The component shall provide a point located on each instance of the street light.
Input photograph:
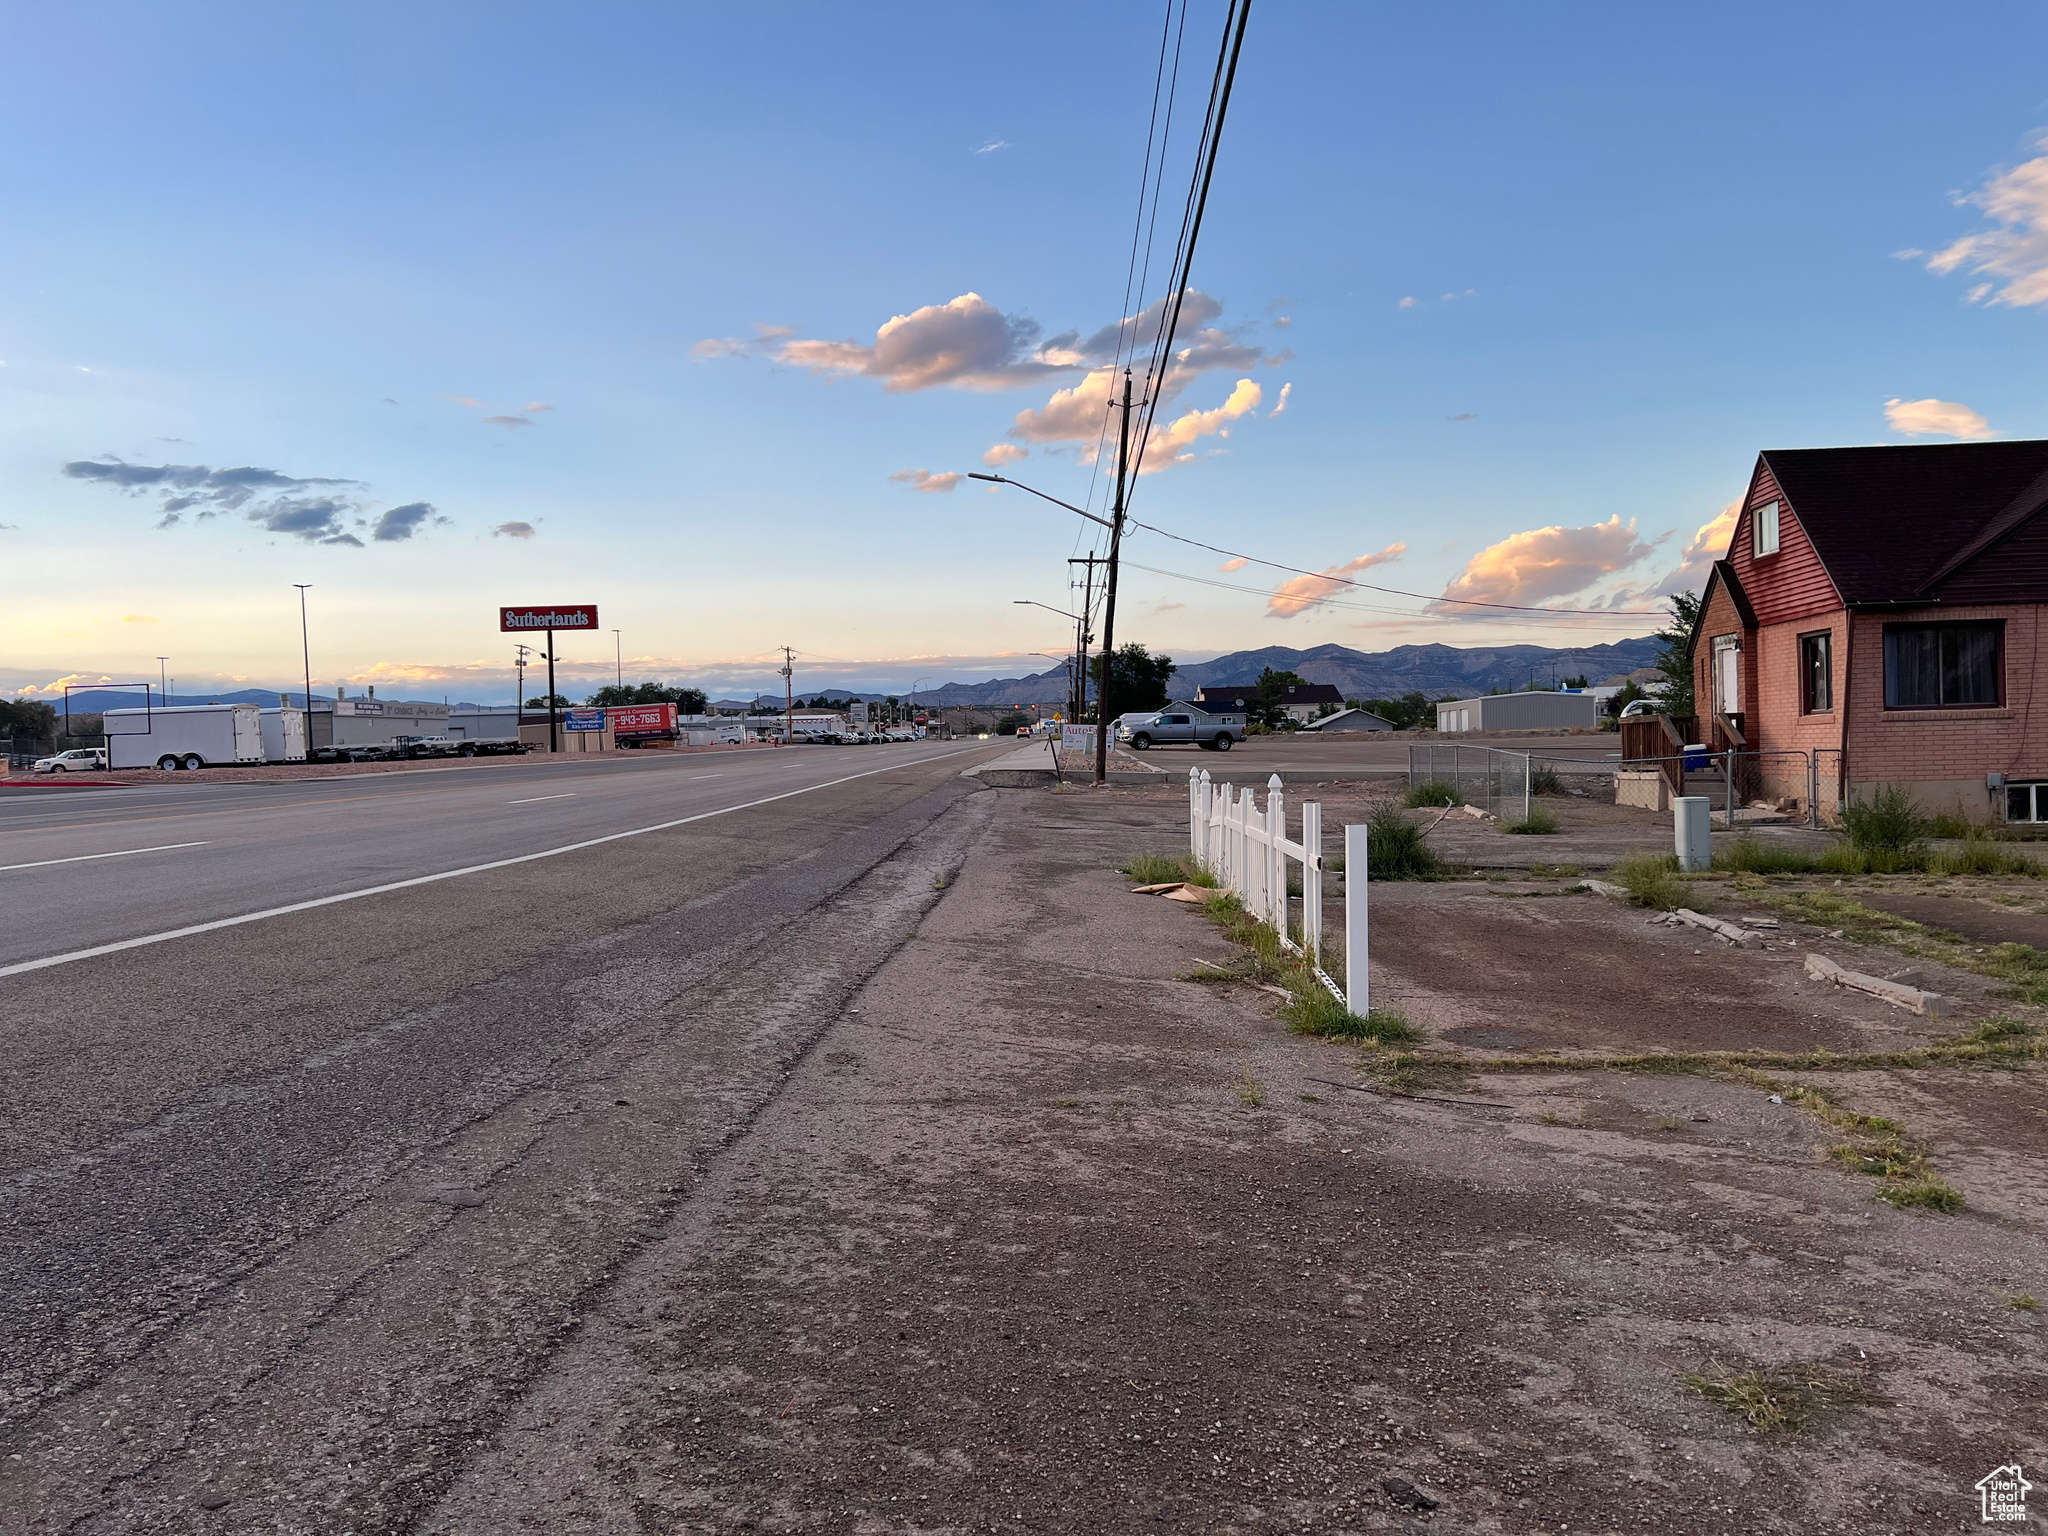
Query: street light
(1001, 480)
(618, 659)
(1077, 689)
(163, 682)
(913, 692)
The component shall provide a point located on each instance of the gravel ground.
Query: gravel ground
(1039, 1238)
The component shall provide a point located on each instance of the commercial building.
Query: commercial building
(1535, 710)
(370, 721)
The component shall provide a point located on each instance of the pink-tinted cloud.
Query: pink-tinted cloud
(1298, 594)
(1530, 569)
(925, 480)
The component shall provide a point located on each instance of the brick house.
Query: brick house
(1879, 611)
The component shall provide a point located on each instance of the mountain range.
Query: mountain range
(1434, 669)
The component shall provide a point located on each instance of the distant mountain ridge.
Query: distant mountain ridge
(1434, 669)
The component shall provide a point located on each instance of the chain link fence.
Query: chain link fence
(1495, 781)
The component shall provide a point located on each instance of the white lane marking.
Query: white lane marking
(696, 777)
(536, 800)
(80, 858)
(447, 874)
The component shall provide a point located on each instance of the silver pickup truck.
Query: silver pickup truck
(1214, 733)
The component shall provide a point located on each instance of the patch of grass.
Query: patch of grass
(1414, 1072)
(1670, 1123)
(1251, 1091)
(1540, 822)
(1781, 1397)
(1319, 1013)
(1751, 855)
(1544, 781)
(1158, 868)
(1651, 880)
(1310, 1098)
(1432, 792)
(1982, 854)
(2024, 1302)
(1923, 1194)
(1397, 849)
(1067, 1103)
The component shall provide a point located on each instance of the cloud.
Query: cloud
(1935, 418)
(1466, 416)
(1298, 594)
(401, 523)
(1237, 563)
(140, 618)
(508, 421)
(1407, 303)
(992, 146)
(2014, 254)
(1283, 322)
(966, 343)
(1169, 443)
(1004, 453)
(1281, 405)
(1544, 563)
(473, 404)
(742, 346)
(278, 502)
(1167, 608)
(1072, 415)
(510, 418)
(925, 480)
(512, 531)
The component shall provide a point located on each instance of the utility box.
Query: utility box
(1693, 832)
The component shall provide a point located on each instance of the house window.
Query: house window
(1816, 673)
(2026, 802)
(1763, 526)
(1727, 674)
(1944, 666)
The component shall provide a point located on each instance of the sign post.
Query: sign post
(549, 617)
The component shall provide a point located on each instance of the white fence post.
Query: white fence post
(1312, 881)
(1276, 858)
(1357, 984)
(1195, 813)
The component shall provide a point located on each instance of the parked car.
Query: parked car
(77, 760)
(1205, 731)
(424, 746)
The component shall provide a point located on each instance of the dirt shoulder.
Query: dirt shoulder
(1041, 1238)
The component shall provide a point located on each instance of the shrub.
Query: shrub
(1396, 848)
(1432, 792)
(1652, 879)
(1886, 823)
(1952, 824)
(1538, 823)
(1544, 781)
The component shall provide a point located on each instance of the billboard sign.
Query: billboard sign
(548, 616)
(627, 718)
(583, 720)
(860, 711)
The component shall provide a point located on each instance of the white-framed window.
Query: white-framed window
(2026, 802)
(1763, 530)
(1728, 674)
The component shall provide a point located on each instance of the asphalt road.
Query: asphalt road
(292, 1208)
(100, 866)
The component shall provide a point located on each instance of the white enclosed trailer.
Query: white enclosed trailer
(284, 735)
(184, 736)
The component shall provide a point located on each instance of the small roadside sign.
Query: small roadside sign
(583, 720)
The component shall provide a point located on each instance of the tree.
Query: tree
(1577, 682)
(541, 701)
(1137, 678)
(1406, 712)
(27, 720)
(688, 701)
(1011, 724)
(1675, 660)
(1269, 696)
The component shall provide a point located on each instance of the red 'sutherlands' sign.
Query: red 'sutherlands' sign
(549, 616)
(641, 717)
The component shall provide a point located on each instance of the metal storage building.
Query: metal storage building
(1532, 711)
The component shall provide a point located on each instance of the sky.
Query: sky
(703, 314)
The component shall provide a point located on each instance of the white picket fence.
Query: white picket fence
(1248, 850)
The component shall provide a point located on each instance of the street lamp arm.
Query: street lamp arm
(1000, 480)
(1026, 602)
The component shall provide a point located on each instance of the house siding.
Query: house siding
(1721, 618)
(1776, 724)
(1943, 755)
(1791, 584)
(2014, 570)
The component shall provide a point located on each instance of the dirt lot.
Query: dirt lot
(1043, 1237)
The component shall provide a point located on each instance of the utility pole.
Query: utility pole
(619, 660)
(1103, 714)
(1082, 638)
(519, 704)
(163, 682)
(788, 697)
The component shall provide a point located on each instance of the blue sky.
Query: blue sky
(1639, 248)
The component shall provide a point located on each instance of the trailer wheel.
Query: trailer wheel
(194, 762)
(167, 764)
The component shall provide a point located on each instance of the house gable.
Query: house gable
(1794, 581)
